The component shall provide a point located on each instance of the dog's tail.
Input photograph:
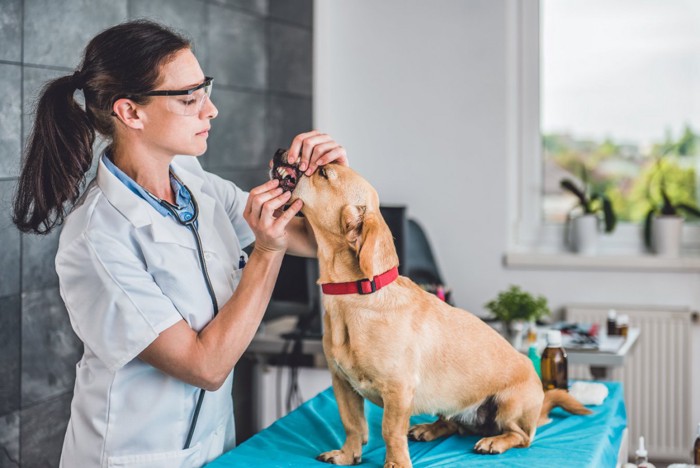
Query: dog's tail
(562, 398)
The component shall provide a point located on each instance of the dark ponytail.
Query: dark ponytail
(120, 61)
(58, 154)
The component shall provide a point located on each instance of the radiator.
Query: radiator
(656, 376)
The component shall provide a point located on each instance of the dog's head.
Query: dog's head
(343, 210)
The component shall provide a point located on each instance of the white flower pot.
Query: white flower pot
(584, 234)
(666, 234)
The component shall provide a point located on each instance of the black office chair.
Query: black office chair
(421, 265)
(416, 258)
(421, 262)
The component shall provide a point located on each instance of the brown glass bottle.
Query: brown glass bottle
(553, 364)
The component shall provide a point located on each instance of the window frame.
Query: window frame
(529, 231)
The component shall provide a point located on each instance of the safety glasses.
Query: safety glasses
(185, 101)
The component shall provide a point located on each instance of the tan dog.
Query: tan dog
(404, 349)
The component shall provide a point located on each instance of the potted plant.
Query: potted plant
(516, 306)
(582, 230)
(663, 224)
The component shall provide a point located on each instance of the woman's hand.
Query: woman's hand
(270, 231)
(316, 149)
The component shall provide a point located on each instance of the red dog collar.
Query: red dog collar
(363, 286)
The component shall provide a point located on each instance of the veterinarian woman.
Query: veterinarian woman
(152, 249)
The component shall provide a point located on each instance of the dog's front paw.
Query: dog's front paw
(338, 457)
(392, 464)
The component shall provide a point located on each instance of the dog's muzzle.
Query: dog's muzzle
(287, 174)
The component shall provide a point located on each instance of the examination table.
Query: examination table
(568, 441)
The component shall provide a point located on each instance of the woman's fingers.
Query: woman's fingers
(325, 154)
(270, 206)
(309, 147)
(270, 184)
(314, 149)
(296, 146)
(257, 198)
(289, 214)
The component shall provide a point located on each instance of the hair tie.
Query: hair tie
(77, 79)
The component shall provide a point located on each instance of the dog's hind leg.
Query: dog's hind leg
(518, 431)
(352, 413)
(427, 432)
(513, 436)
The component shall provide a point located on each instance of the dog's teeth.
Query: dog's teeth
(281, 171)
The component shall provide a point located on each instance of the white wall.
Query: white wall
(418, 93)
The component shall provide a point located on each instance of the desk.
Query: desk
(600, 362)
(315, 427)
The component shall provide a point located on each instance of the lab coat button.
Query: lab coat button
(187, 216)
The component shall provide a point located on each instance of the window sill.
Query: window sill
(602, 262)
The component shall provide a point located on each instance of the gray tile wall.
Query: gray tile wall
(258, 51)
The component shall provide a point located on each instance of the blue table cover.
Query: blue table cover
(315, 427)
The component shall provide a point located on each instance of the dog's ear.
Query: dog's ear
(370, 237)
(353, 217)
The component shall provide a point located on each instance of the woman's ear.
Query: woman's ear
(125, 110)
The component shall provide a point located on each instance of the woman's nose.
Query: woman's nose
(210, 109)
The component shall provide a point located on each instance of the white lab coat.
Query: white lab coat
(127, 273)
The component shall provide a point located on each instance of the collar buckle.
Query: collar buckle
(362, 290)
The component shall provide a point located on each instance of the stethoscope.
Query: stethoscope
(190, 223)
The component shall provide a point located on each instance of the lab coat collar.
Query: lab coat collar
(141, 214)
(120, 197)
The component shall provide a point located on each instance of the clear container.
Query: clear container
(623, 325)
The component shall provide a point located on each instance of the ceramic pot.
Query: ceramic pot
(666, 234)
(584, 234)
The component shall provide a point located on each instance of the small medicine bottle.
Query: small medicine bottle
(623, 324)
(641, 456)
(553, 365)
(696, 448)
(612, 322)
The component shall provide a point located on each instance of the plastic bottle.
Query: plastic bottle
(623, 322)
(553, 363)
(641, 455)
(696, 448)
(535, 358)
(612, 322)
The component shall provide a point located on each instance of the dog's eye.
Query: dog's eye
(322, 172)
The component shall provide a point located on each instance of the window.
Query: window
(608, 90)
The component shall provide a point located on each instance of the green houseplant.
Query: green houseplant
(582, 229)
(515, 304)
(592, 203)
